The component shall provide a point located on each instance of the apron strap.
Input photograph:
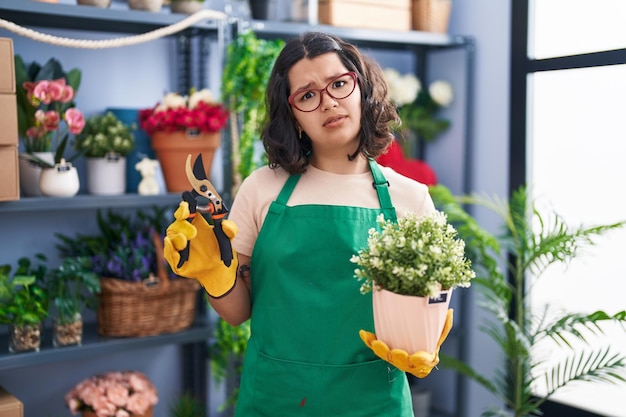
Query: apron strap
(287, 189)
(381, 185)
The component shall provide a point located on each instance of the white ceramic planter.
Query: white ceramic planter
(30, 172)
(106, 176)
(412, 324)
(60, 181)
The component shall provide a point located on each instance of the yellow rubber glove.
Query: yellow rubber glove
(419, 363)
(204, 262)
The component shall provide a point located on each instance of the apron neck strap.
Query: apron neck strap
(380, 184)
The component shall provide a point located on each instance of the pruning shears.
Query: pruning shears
(204, 199)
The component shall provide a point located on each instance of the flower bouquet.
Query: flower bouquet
(411, 267)
(182, 125)
(113, 394)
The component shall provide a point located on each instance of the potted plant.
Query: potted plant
(411, 267)
(138, 295)
(24, 303)
(105, 141)
(183, 125)
(186, 6)
(44, 101)
(532, 241)
(112, 394)
(71, 287)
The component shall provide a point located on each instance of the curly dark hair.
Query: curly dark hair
(280, 136)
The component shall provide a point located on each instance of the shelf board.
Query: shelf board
(96, 345)
(88, 201)
(389, 39)
(75, 17)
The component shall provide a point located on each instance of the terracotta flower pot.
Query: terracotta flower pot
(412, 324)
(172, 149)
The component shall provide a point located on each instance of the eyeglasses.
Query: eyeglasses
(311, 99)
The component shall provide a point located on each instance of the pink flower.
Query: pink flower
(75, 120)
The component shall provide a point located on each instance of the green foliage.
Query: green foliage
(420, 117)
(23, 297)
(51, 70)
(249, 63)
(72, 286)
(187, 406)
(104, 134)
(531, 242)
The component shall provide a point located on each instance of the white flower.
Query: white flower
(441, 93)
(172, 101)
(204, 95)
(402, 89)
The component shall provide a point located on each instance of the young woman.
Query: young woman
(299, 220)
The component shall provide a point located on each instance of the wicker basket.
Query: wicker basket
(431, 15)
(154, 306)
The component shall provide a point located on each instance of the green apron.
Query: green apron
(305, 356)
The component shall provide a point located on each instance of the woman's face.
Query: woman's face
(334, 126)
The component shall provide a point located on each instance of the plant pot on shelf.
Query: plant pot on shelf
(25, 338)
(172, 149)
(147, 5)
(409, 323)
(60, 181)
(30, 173)
(431, 15)
(107, 175)
(186, 6)
(69, 333)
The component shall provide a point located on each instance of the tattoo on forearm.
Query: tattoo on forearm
(244, 271)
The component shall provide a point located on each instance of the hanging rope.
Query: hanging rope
(116, 42)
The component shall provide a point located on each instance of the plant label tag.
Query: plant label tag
(438, 299)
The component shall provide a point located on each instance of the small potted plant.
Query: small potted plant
(105, 141)
(45, 101)
(112, 394)
(411, 267)
(183, 125)
(24, 303)
(72, 287)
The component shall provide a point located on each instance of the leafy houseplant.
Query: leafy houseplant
(24, 303)
(72, 287)
(531, 242)
(104, 135)
(418, 256)
(248, 67)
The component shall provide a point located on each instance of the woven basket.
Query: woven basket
(155, 306)
(431, 15)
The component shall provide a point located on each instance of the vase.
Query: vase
(172, 149)
(431, 15)
(97, 3)
(147, 5)
(67, 333)
(413, 324)
(25, 338)
(30, 172)
(186, 6)
(106, 175)
(60, 181)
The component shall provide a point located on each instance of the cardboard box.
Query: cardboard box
(10, 184)
(369, 14)
(7, 66)
(8, 119)
(9, 405)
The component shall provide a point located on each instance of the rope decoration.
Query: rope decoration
(116, 42)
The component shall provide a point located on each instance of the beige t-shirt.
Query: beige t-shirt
(315, 186)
